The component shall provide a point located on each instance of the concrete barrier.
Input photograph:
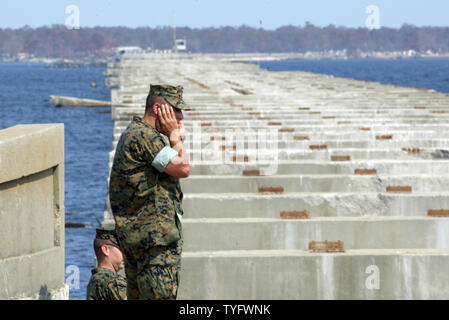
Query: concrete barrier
(356, 232)
(32, 264)
(296, 274)
(313, 183)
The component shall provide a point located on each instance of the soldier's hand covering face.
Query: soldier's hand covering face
(168, 122)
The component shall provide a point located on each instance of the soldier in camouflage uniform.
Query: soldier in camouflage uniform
(146, 196)
(105, 283)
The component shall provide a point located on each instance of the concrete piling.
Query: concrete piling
(32, 232)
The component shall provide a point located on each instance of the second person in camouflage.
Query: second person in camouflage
(105, 282)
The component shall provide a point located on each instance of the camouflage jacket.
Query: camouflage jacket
(106, 284)
(144, 201)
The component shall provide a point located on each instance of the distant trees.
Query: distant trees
(58, 41)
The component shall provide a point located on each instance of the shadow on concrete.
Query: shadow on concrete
(44, 294)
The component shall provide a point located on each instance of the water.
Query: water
(418, 73)
(24, 95)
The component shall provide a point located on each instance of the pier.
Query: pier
(283, 159)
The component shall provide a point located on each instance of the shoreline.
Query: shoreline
(235, 57)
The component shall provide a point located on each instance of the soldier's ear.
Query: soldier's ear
(105, 250)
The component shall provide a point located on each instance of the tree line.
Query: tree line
(60, 42)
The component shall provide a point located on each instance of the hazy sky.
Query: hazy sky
(267, 14)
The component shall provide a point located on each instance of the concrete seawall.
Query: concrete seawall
(367, 162)
(32, 264)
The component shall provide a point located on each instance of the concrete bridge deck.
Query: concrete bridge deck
(356, 161)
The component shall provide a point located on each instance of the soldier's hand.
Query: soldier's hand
(168, 123)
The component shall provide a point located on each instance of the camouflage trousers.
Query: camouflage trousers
(153, 274)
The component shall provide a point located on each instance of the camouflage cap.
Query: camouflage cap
(172, 94)
(110, 235)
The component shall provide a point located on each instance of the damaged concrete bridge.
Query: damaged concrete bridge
(282, 159)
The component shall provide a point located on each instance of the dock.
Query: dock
(283, 160)
(60, 101)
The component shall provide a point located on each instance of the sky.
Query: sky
(267, 14)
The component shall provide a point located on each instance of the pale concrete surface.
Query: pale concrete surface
(314, 183)
(236, 244)
(299, 275)
(32, 263)
(275, 233)
(229, 205)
